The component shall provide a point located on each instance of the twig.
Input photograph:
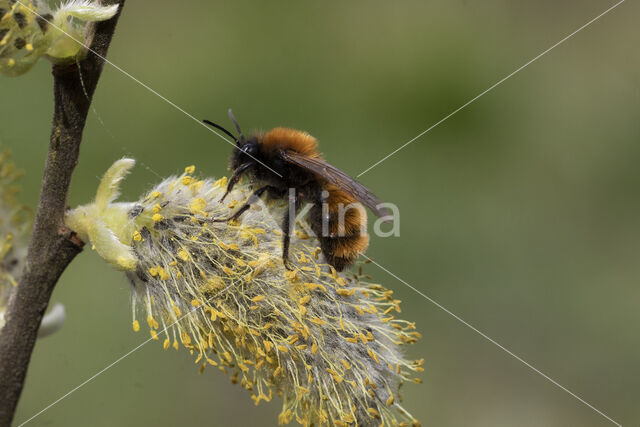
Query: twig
(52, 246)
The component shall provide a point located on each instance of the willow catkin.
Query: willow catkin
(329, 344)
(30, 30)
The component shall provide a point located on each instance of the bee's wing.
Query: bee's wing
(338, 178)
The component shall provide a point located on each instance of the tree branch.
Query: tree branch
(52, 246)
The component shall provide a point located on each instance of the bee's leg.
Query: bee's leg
(252, 199)
(234, 179)
(287, 227)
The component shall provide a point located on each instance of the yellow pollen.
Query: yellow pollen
(317, 321)
(176, 310)
(304, 300)
(335, 375)
(313, 286)
(345, 292)
(197, 205)
(373, 355)
(222, 182)
(184, 255)
(373, 413)
(162, 273)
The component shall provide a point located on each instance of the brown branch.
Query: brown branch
(52, 246)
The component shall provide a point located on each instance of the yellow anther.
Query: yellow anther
(304, 300)
(373, 413)
(282, 348)
(390, 400)
(162, 273)
(345, 292)
(197, 205)
(222, 182)
(335, 375)
(317, 321)
(373, 355)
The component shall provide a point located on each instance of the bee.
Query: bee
(286, 164)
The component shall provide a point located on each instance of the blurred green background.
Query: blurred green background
(521, 213)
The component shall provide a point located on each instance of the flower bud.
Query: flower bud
(15, 223)
(29, 30)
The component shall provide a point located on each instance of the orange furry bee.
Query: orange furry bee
(285, 159)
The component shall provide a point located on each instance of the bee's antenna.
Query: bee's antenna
(235, 123)
(217, 126)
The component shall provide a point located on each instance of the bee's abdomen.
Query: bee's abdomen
(341, 252)
(343, 234)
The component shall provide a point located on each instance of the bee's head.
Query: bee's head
(244, 153)
(247, 149)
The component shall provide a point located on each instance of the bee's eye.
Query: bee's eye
(250, 149)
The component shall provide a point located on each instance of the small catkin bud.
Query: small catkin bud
(15, 223)
(30, 30)
(220, 290)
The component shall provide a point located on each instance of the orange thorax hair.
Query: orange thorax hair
(292, 139)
